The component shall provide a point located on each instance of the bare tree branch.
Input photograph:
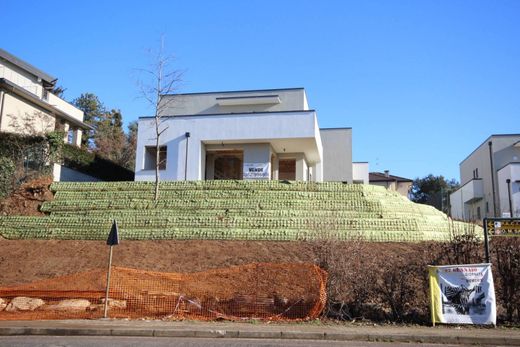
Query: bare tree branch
(160, 80)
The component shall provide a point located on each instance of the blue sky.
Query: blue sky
(422, 83)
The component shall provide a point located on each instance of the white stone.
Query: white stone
(69, 305)
(113, 303)
(22, 303)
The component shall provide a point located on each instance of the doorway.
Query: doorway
(287, 169)
(224, 165)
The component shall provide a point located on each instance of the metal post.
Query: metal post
(486, 240)
(508, 181)
(186, 157)
(490, 144)
(105, 314)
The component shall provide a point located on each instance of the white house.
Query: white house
(490, 180)
(253, 134)
(28, 106)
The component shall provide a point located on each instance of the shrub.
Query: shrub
(7, 170)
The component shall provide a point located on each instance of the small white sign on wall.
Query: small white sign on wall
(256, 171)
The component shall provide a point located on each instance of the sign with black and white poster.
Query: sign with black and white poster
(462, 294)
(256, 171)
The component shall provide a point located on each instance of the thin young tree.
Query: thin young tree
(160, 79)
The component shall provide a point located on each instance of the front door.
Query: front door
(287, 169)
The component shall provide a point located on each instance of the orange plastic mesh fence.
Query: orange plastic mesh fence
(255, 291)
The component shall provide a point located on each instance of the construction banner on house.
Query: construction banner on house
(256, 171)
(462, 294)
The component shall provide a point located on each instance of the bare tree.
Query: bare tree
(160, 79)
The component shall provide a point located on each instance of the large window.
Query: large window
(150, 157)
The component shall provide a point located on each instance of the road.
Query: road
(88, 341)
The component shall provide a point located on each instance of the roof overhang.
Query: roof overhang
(10, 87)
(49, 80)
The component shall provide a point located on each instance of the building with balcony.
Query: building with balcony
(490, 180)
(253, 134)
(28, 106)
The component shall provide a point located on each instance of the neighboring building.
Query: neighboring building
(254, 134)
(28, 106)
(490, 180)
(399, 184)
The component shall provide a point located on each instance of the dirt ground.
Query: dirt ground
(23, 261)
(26, 200)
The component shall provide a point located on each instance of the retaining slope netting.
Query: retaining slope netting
(256, 291)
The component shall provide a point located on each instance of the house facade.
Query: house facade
(490, 180)
(28, 106)
(253, 134)
(391, 182)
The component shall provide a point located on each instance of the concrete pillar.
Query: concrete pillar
(210, 166)
(257, 156)
(66, 128)
(76, 137)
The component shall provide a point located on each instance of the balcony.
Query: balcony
(65, 107)
(472, 191)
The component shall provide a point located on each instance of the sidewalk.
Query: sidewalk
(307, 331)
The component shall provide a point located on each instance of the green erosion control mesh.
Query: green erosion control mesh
(234, 210)
(255, 291)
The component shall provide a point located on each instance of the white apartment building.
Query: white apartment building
(252, 134)
(490, 180)
(28, 106)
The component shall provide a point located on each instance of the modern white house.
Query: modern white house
(252, 134)
(28, 106)
(490, 180)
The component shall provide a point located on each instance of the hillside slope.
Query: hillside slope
(233, 210)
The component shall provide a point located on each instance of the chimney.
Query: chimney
(387, 173)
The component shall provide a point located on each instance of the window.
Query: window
(487, 207)
(476, 173)
(478, 213)
(45, 94)
(150, 157)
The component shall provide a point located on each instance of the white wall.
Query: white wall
(337, 154)
(19, 116)
(512, 172)
(287, 130)
(360, 173)
(457, 205)
(208, 103)
(21, 78)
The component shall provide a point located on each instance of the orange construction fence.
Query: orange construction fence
(256, 291)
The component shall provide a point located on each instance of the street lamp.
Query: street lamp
(187, 134)
(508, 181)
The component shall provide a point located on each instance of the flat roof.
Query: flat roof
(228, 114)
(339, 128)
(27, 67)
(236, 91)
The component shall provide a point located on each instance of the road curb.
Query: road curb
(244, 334)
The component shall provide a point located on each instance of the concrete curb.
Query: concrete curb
(282, 334)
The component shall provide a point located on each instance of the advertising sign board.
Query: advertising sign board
(462, 294)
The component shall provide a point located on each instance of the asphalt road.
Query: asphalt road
(87, 341)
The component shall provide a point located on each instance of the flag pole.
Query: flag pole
(113, 240)
(105, 314)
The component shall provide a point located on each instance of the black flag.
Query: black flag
(113, 237)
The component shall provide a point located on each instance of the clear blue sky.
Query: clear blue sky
(422, 83)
